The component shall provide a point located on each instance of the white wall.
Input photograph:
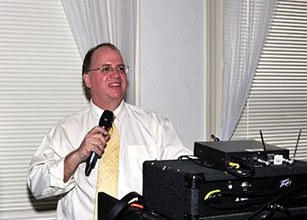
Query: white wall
(172, 63)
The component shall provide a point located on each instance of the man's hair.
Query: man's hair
(87, 64)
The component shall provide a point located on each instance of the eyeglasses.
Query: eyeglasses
(106, 69)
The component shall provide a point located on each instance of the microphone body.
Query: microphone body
(105, 122)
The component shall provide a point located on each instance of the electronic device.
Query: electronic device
(187, 189)
(222, 153)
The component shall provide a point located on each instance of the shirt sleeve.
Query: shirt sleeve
(46, 171)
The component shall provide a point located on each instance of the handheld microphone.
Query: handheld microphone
(105, 122)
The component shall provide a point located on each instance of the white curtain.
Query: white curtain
(96, 21)
(246, 25)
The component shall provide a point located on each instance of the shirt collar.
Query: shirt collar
(95, 110)
(118, 112)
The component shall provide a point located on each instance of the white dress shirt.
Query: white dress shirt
(144, 135)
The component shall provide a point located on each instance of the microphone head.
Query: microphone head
(106, 119)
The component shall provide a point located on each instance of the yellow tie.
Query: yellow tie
(108, 167)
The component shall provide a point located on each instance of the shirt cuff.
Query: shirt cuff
(56, 171)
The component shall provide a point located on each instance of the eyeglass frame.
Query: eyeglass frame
(117, 68)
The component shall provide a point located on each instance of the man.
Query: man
(58, 166)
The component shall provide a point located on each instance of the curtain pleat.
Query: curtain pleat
(245, 28)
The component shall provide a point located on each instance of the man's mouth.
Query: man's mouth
(115, 84)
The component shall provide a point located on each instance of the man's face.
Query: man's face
(107, 89)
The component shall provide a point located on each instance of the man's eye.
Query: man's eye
(107, 69)
(121, 68)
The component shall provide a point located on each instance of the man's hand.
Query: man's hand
(94, 141)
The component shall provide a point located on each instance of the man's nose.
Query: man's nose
(115, 73)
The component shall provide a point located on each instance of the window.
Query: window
(277, 103)
(40, 82)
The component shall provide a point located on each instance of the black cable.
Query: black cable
(202, 163)
(243, 173)
(236, 205)
(252, 199)
(255, 194)
(274, 201)
(256, 198)
(267, 214)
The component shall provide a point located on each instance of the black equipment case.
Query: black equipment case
(184, 189)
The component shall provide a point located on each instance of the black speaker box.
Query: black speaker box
(183, 189)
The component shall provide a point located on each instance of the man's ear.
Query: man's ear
(86, 80)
